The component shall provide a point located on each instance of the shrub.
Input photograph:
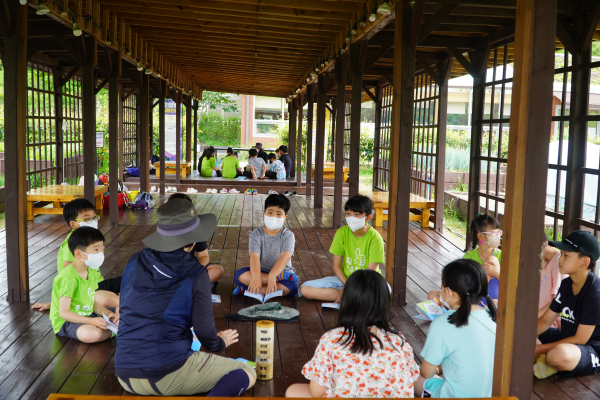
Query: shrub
(218, 131)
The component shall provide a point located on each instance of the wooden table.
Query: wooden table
(329, 171)
(381, 203)
(58, 194)
(171, 168)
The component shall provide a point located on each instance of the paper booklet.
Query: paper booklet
(215, 298)
(111, 326)
(331, 305)
(263, 298)
(429, 310)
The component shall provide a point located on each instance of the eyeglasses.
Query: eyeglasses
(498, 232)
(94, 218)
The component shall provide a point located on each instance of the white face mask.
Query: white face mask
(274, 223)
(91, 224)
(94, 261)
(355, 223)
(445, 302)
(493, 240)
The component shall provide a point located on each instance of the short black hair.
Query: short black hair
(229, 150)
(360, 204)
(235, 153)
(278, 200)
(271, 156)
(179, 196)
(83, 237)
(75, 207)
(283, 148)
(253, 152)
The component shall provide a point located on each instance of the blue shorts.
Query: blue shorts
(291, 285)
(589, 363)
(331, 282)
(432, 387)
(69, 329)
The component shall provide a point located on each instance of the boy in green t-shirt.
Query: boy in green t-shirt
(75, 311)
(231, 165)
(79, 213)
(360, 245)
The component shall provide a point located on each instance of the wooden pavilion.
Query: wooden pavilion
(330, 56)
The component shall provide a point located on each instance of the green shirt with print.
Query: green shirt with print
(207, 166)
(230, 166)
(64, 254)
(474, 255)
(68, 283)
(358, 252)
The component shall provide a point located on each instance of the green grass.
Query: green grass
(366, 178)
(455, 221)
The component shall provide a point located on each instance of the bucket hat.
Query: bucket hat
(180, 225)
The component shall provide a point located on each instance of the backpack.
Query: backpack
(123, 199)
(143, 201)
(134, 171)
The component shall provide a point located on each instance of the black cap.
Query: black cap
(579, 241)
(259, 145)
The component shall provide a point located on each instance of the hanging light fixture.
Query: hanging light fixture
(23, 2)
(353, 31)
(63, 11)
(42, 9)
(363, 20)
(148, 69)
(76, 29)
(373, 15)
(139, 65)
(158, 73)
(323, 63)
(385, 9)
(317, 68)
(127, 51)
(108, 39)
(348, 36)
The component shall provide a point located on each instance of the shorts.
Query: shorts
(589, 363)
(111, 285)
(291, 285)
(331, 282)
(432, 387)
(69, 329)
(199, 374)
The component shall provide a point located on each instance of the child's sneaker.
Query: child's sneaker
(238, 291)
(287, 276)
(254, 191)
(209, 190)
(273, 192)
(153, 189)
(248, 191)
(224, 191)
(233, 191)
(192, 190)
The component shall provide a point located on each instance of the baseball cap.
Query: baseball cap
(581, 242)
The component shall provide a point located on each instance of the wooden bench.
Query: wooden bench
(171, 168)
(381, 202)
(58, 194)
(329, 171)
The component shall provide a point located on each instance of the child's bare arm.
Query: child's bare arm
(373, 266)
(546, 321)
(337, 268)
(256, 282)
(428, 370)
(64, 311)
(583, 334)
(278, 268)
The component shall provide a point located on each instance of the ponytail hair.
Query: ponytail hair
(469, 280)
(482, 223)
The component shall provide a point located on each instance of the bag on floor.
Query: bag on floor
(123, 200)
(134, 172)
(143, 201)
(270, 311)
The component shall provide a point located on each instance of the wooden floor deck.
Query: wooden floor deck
(34, 362)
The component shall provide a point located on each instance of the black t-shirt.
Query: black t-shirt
(264, 156)
(287, 163)
(199, 248)
(583, 308)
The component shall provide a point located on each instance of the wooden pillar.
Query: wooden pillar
(332, 118)
(161, 134)
(188, 129)
(88, 88)
(530, 122)
(15, 132)
(150, 127)
(400, 154)
(358, 53)
(341, 68)
(113, 131)
(195, 152)
(144, 132)
(377, 135)
(320, 139)
(121, 163)
(57, 82)
(299, 141)
(576, 155)
(178, 137)
(444, 70)
(310, 92)
(293, 112)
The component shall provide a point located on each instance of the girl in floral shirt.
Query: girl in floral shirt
(276, 169)
(364, 356)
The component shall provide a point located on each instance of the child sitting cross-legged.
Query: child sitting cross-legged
(460, 343)
(360, 245)
(271, 249)
(75, 312)
(363, 356)
(574, 349)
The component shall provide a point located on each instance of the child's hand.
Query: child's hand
(271, 283)
(114, 318)
(230, 336)
(99, 322)
(548, 254)
(340, 297)
(492, 267)
(255, 285)
(434, 294)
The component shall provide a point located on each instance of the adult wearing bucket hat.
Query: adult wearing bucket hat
(164, 293)
(261, 153)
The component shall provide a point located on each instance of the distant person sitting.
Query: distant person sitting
(202, 158)
(285, 159)
(256, 167)
(261, 152)
(275, 168)
(231, 165)
(209, 164)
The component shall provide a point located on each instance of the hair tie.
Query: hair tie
(467, 294)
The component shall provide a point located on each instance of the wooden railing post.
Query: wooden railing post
(530, 122)
(88, 94)
(299, 140)
(310, 92)
(178, 97)
(293, 113)
(320, 140)
(161, 134)
(144, 132)
(113, 131)
(188, 129)
(341, 68)
(358, 53)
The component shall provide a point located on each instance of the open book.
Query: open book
(263, 298)
(111, 326)
(215, 298)
(429, 310)
(331, 305)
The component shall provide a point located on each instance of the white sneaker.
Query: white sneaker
(209, 190)
(224, 191)
(192, 190)
(233, 191)
(272, 192)
(153, 189)
(215, 191)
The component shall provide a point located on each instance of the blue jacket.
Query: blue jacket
(162, 296)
